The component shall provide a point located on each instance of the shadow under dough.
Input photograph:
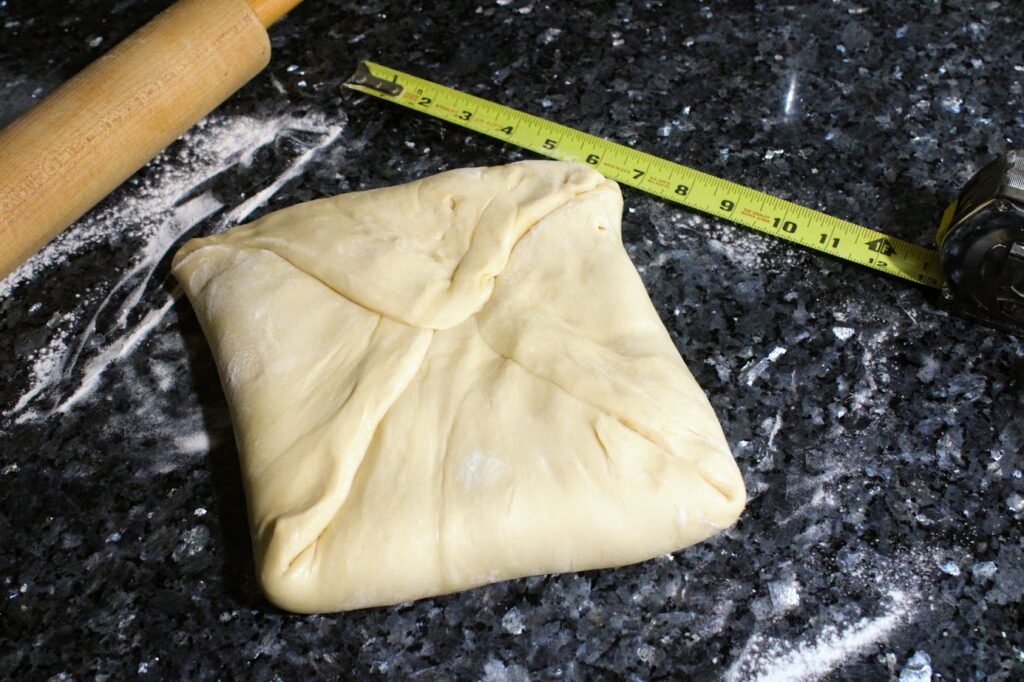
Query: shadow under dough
(238, 570)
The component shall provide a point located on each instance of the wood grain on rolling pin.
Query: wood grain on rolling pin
(72, 149)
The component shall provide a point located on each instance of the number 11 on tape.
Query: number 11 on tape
(666, 179)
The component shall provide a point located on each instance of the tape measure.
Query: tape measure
(979, 265)
(662, 178)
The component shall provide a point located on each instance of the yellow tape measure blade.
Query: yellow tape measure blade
(654, 175)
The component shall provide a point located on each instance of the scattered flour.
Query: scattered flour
(163, 373)
(156, 214)
(785, 594)
(119, 348)
(775, 427)
(173, 201)
(211, 147)
(46, 363)
(479, 470)
(245, 209)
(193, 443)
(752, 251)
(768, 660)
(873, 368)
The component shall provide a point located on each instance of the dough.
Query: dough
(453, 382)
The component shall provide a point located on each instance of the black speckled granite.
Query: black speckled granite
(880, 438)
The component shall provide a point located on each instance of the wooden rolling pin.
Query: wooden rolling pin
(62, 156)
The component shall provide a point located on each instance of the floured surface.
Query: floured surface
(453, 382)
(883, 463)
(111, 317)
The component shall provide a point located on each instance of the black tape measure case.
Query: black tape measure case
(981, 243)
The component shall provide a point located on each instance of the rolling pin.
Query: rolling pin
(62, 156)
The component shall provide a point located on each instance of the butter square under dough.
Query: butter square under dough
(453, 382)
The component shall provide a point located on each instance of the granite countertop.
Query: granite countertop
(880, 437)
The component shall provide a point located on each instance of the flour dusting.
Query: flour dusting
(104, 327)
(46, 364)
(120, 348)
(196, 442)
(211, 147)
(766, 660)
(480, 470)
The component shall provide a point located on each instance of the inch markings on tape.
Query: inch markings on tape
(662, 178)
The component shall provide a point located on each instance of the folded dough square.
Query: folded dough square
(453, 382)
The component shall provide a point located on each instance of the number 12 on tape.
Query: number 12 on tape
(666, 179)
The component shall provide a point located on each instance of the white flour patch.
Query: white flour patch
(478, 470)
(872, 369)
(785, 594)
(749, 250)
(245, 209)
(156, 214)
(121, 347)
(768, 660)
(776, 426)
(164, 374)
(211, 147)
(47, 363)
(193, 443)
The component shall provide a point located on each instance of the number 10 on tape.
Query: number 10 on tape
(662, 178)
